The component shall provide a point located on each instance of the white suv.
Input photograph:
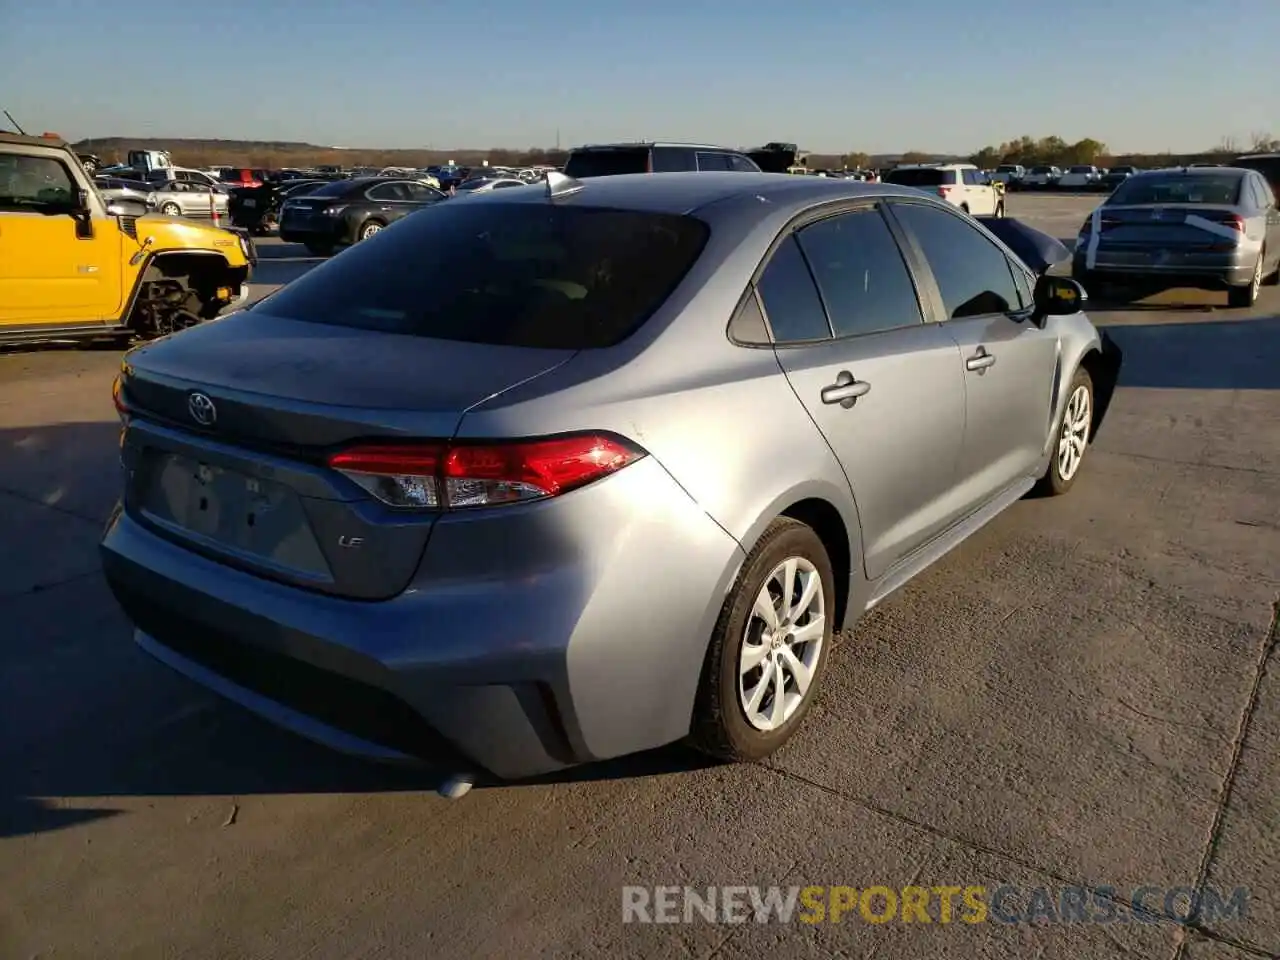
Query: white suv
(1079, 176)
(961, 184)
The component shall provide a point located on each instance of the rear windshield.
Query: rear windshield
(1081, 170)
(1205, 188)
(607, 163)
(517, 274)
(1007, 168)
(920, 177)
(1042, 169)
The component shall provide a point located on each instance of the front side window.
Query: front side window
(861, 274)
(973, 275)
(34, 183)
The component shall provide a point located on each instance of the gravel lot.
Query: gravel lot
(1085, 692)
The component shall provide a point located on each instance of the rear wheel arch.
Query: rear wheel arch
(822, 517)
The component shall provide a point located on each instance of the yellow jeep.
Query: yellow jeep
(73, 265)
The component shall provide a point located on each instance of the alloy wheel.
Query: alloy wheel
(1075, 432)
(781, 644)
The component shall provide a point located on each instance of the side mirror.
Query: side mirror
(127, 207)
(1058, 297)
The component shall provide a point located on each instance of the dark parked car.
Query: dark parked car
(346, 211)
(1114, 177)
(1267, 164)
(611, 159)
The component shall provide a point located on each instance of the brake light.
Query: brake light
(943, 191)
(455, 476)
(117, 398)
(1231, 220)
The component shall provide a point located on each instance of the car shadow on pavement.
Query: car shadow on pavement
(1209, 355)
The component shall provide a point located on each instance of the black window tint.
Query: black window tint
(920, 177)
(607, 162)
(973, 274)
(713, 161)
(970, 177)
(742, 164)
(673, 160)
(861, 273)
(421, 193)
(531, 275)
(791, 301)
(388, 192)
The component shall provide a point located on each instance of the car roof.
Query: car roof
(21, 140)
(646, 144)
(688, 192)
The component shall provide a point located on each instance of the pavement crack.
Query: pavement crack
(1214, 839)
(1170, 721)
(1184, 925)
(1192, 463)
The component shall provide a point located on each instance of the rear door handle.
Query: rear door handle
(845, 391)
(980, 360)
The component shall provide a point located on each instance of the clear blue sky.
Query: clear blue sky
(872, 75)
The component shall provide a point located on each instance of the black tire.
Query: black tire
(319, 249)
(1244, 297)
(368, 229)
(964, 207)
(1273, 278)
(720, 726)
(170, 209)
(1054, 483)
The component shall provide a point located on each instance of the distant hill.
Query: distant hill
(275, 154)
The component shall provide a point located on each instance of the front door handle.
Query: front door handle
(845, 391)
(980, 360)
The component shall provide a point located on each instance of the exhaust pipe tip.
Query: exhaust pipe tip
(457, 786)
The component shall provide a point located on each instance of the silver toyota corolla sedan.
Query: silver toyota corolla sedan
(564, 473)
(1211, 228)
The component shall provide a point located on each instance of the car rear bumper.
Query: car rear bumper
(1208, 270)
(330, 230)
(517, 665)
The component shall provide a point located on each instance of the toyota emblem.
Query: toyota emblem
(202, 409)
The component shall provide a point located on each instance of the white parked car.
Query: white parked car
(1080, 177)
(1009, 173)
(1042, 177)
(960, 184)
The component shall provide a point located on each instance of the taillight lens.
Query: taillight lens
(1232, 220)
(117, 398)
(461, 475)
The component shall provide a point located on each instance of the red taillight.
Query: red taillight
(117, 398)
(454, 476)
(1232, 220)
(943, 191)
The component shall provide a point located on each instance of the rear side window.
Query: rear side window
(607, 163)
(742, 164)
(517, 274)
(860, 273)
(790, 299)
(713, 161)
(673, 160)
(920, 177)
(1269, 167)
(974, 276)
(337, 188)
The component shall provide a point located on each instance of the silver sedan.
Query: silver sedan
(563, 473)
(118, 188)
(1210, 228)
(178, 198)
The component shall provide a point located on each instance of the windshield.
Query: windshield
(1081, 170)
(1042, 169)
(1007, 168)
(920, 177)
(1180, 188)
(607, 163)
(518, 274)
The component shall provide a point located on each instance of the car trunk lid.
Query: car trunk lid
(229, 427)
(1172, 225)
